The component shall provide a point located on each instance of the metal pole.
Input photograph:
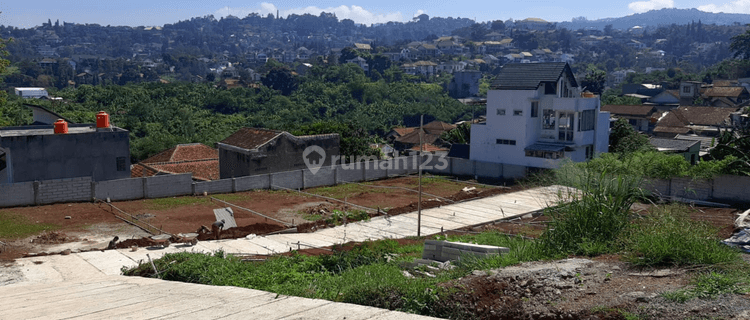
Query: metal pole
(419, 163)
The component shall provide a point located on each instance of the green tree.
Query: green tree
(594, 80)
(741, 45)
(280, 78)
(623, 139)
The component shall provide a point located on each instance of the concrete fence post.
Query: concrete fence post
(193, 188)
(145, 188)
(93, 190)
(270, 181)
(234, 185)
(364, 171)
(37, 185)
(335, 174)
(302, 172)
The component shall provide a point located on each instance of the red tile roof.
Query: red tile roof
(629, 110)
(733, 92)
(251, 138)
(403, 131)
(184, 152)
(428, 147)
(702, 116)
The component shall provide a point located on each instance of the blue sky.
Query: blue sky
(149, 13)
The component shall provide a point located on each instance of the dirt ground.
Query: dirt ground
(87, 226)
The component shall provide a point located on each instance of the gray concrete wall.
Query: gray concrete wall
(657, 187)
(121, 189)
(252, 182)
(731, 188)
(462, 167)
(511, 171)
(63, 190)
(211, 187)
(62, 156)
(489, 170)
(691, 189)
(289, 180)
(169, 185)
(325, 176)
(349, 173)
(17, 194)
(377, 170)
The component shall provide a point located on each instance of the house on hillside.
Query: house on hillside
(410, 137)
(31, 92)
(726, 97)
(666, 100)
(686, 148)
(362, 63)
(537, 116)
(639, 116)
(464, 84)
(62, 151)
(252, 151)
(702, 121)
(689, 90)
(196, 158)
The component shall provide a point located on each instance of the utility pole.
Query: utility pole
(419, 163)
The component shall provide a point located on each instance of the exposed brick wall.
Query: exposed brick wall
(64, 190)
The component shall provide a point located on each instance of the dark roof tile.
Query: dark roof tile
(528, 76)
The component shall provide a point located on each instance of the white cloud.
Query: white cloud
(736, 6)
(643, 6)
(356, 13)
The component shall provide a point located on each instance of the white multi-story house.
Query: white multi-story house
(537, 116)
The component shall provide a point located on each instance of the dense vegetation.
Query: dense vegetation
(159, 116)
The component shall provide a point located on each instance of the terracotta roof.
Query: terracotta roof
(251, 138)
(707, 116)
(184, 152)
(628, 110)
(733, 92)
(428, 147)
(403, 131)
(206, 169)
(413, 138)
(435, 126)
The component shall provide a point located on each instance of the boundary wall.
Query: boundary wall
(721, 188)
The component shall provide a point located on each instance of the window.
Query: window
(517, 112)
(550, 88)
(686, 89)
(500, 112)
(589, 152)
(534, 109)
(121, 166)
(506, 142)
(565, 127)
(633, 122)
(548, 119)
(3, 161)
(586, 120)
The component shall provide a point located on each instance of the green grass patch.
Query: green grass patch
(712, 284)
(168, 203)
(669, 237)
(14, 226)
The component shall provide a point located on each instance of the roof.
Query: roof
(438, 126)
(251, 138)
(662, 144)
(733, 92)
(206, 169)
(413, 137)
(428, 147)
(185, 152)
(538, 20)
(706, 142)
(403, 131)
(636, 110)
(40, 109)
(528, 76)
(707, 116)
(362, 46)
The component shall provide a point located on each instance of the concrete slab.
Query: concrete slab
(338, 311)
(109, 262)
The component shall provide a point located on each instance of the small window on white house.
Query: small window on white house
(586, 120)
(534, 109)
(517, 112)
(500, 112)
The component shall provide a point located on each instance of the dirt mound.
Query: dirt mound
(53, 238)
(241, 232)
(141, 243)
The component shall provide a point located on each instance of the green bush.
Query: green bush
(669, 237)
(589, 218)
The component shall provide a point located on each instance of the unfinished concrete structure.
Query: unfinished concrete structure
(35, 153)
(252, 151)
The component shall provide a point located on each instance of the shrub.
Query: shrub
(591, 216)
(669, 237)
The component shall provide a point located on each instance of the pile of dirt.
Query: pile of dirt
(141, 243)
(53, 238)
(241, 232)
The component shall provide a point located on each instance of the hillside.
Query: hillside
(656, 18)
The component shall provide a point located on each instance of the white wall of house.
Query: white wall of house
(509, 119)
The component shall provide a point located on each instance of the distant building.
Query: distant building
(198, 159)
(537, 116)
(252, 151)
(31, 92)
(464, 84)
(36, 153)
